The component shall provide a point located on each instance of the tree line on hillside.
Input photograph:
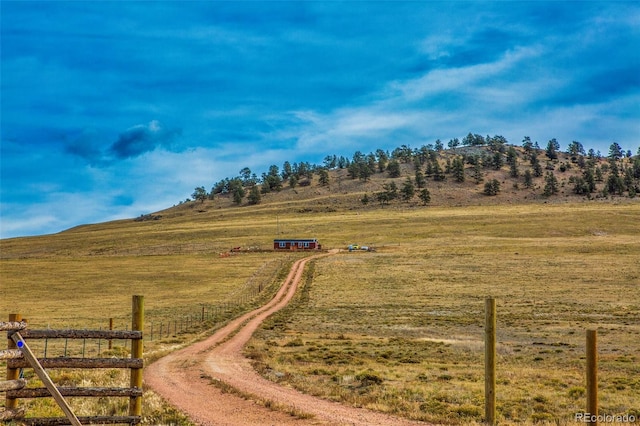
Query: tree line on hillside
(474, 158)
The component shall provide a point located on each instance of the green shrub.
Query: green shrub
(294, 343)
(369, 378)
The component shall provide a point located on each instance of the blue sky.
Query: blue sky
(112, 109)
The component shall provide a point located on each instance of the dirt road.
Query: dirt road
(184, 379)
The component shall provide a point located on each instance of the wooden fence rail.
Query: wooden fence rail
(84, 420)
(82, 334)
(12, 325)
(74, 391)
(12, 385)
(63, 362)
(11, 414)
(10, 354)
(18, 355)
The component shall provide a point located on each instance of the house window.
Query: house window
(283, 244)
(306, 245)
(300, 245)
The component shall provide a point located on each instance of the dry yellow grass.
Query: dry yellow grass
(80, 291)
(83, 277)
(401, 329)
(397, 330)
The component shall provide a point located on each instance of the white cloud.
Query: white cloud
(404, 106)
(29, 221)
(462, 79)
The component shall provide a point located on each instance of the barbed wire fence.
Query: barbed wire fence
(164, 326)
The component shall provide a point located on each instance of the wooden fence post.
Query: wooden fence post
(110, 328)
(137, 324)
(12, 373)
(592, 375)
(490, 361)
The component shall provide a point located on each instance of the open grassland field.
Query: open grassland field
(401, 330)
(397, 330)
(77, 291)
(83, 277)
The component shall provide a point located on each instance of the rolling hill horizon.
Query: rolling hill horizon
(344, 188)
(347, 187)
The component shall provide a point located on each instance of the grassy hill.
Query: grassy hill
(397, 330)
(346, 188)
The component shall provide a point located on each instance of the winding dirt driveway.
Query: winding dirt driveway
(184, 378)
